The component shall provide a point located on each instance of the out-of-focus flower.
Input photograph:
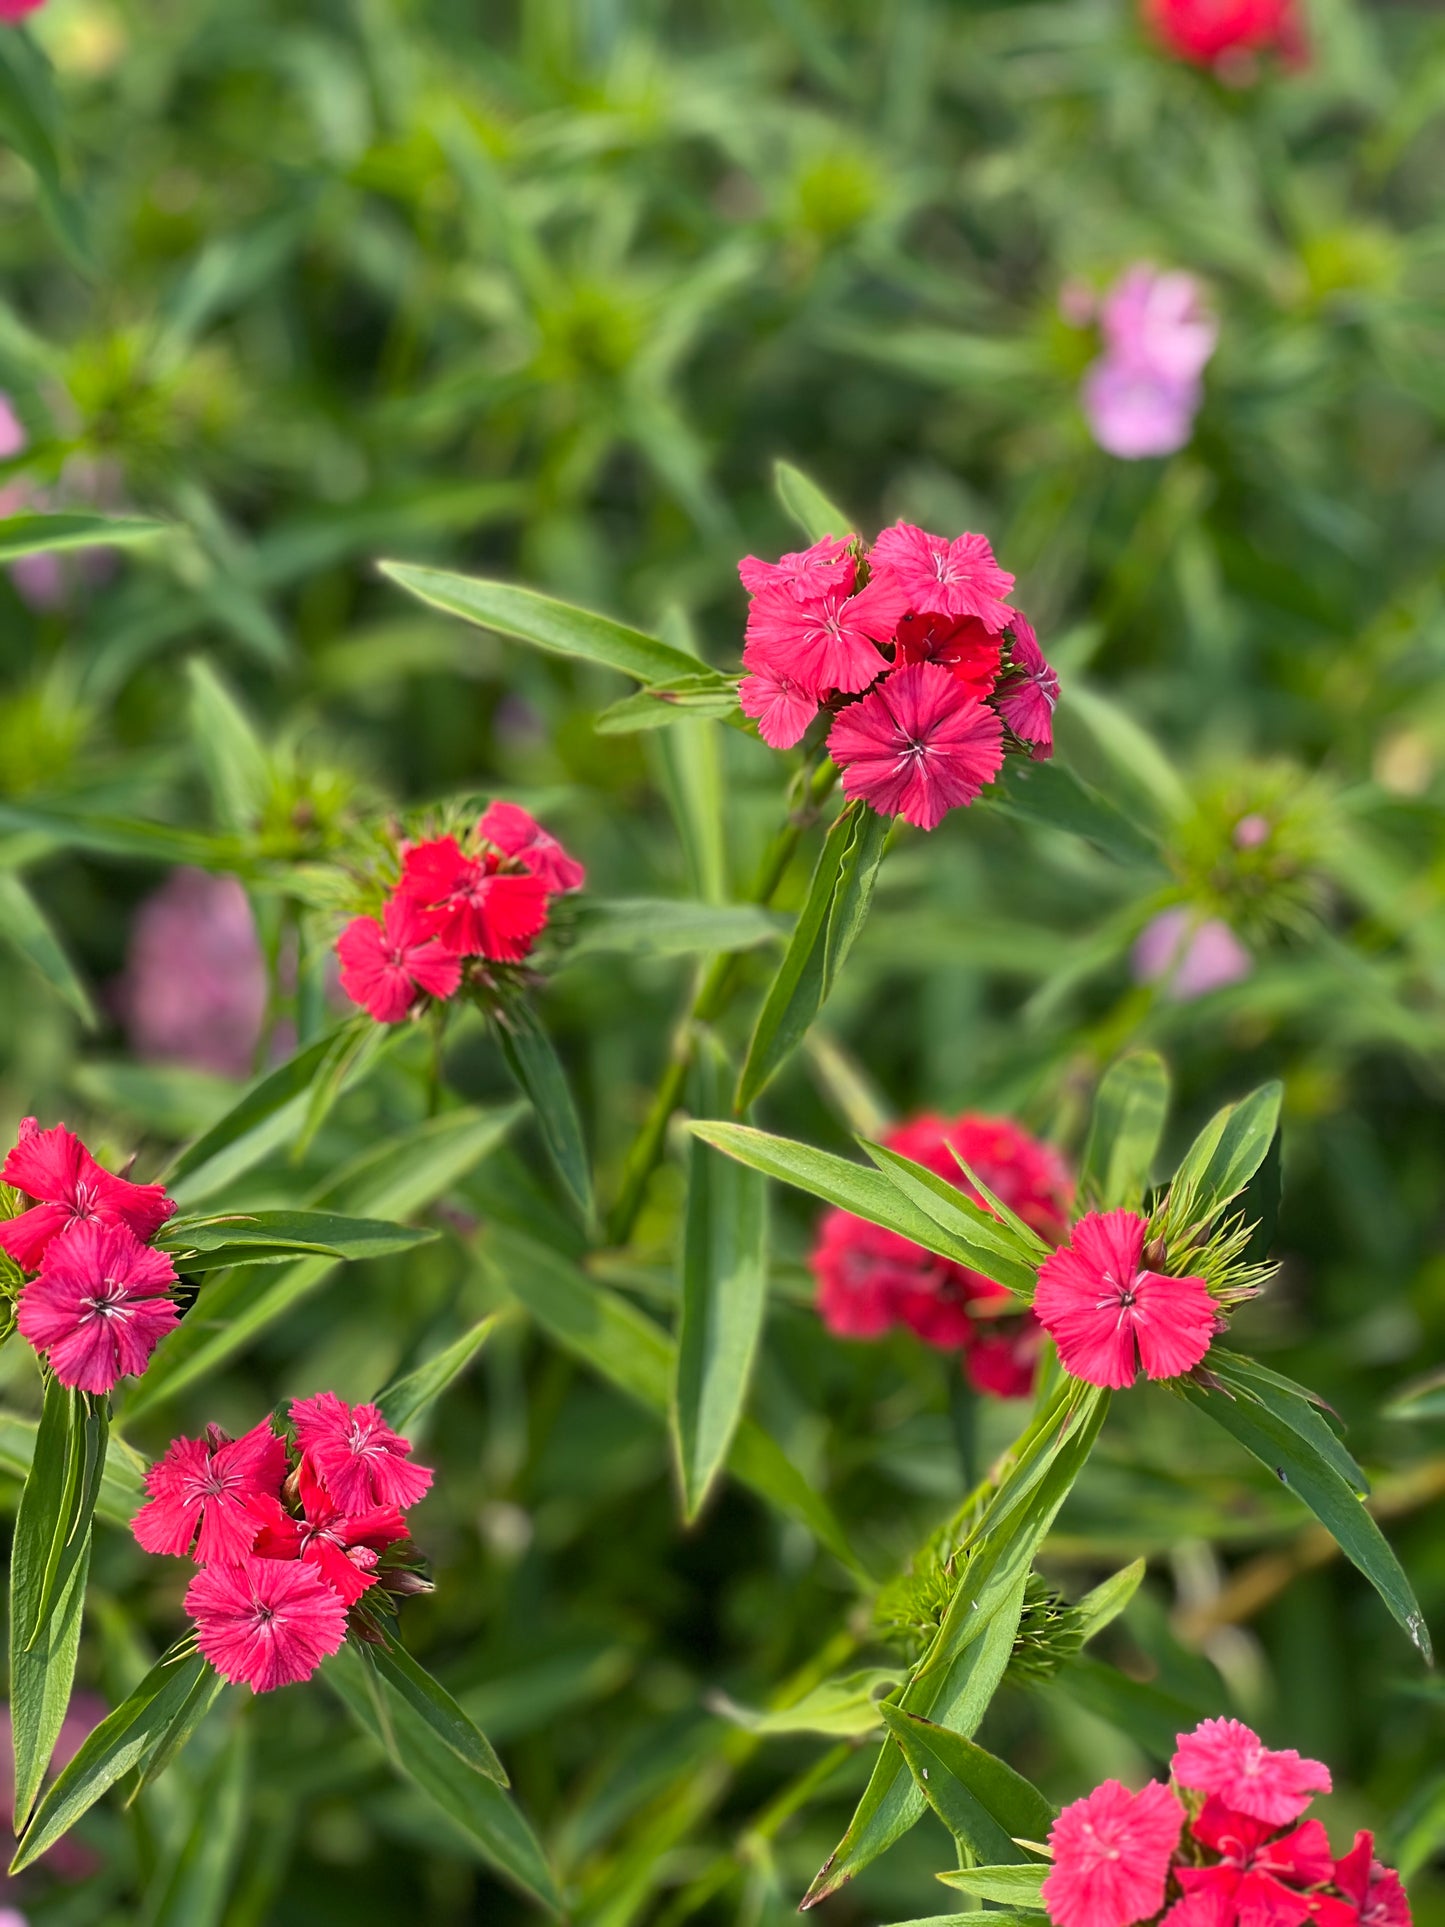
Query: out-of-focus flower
(266, 1623)
(870, 1280)
(1374, 1890)
(1142, 394)
(517, 834)
(100, 1305)
(1190, 957)
(1112, 1851)
(1229, 35)
(1110, 1315)
(386, 965)
(69, 1188)
(201, 1494)
(362, 1462)
(1225, 1758)
(917, 746)
(194, 989)
(1251, 830)
(11, 10)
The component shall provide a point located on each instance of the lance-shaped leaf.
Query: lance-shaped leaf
(957, 1676)
(537, 1069)
(486, 1814)
(231, 1239)
(406, 1399)
(232, 756)
(705, 693)
(845, 1707)
(52, 534)
(1014, 1251)
(1124, 1131)
(1101, 1606)
(1223, 1158)
(809, 507)
(663, 927)
(122, 1477)
(724, 1297)
(1051, 795)
(870, 1194)
(124, 1739)
(30, 123)
(409, 1680)
(52, 1539)
(828, 924)
(1151, 1715)
(1011, 1886)
(1312, 1471)
(985, 1805)
(624, 1346)
(27, 930)
(560, 628)
(193, 1880)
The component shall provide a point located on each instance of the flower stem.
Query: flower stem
(714, 993)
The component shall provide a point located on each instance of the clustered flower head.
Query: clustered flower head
(97, 1299)
(911, 648)
(458, 906)
(1142, 393)
(297, 1545)
(1229, 36)
(1221, 1846)
(870, 1280)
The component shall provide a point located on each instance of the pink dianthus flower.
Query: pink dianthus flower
(823, 642)
(343, 1547)
(509, 828)
(267, 1622)
(475, 909)
(1028, 692)
(386, 966)
(829, 566)
(70, 1188)
(1374, 1891)
(779, 705)
(202, 1494)
(99, 1306)
(356, 1455)
(936, 576)
(917, 746)
(1111, 1852)
(1260, 1874)
(1224, 1758)
(1109, 1315)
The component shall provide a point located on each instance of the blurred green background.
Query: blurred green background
(541, 290)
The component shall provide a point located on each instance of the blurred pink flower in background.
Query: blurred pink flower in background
(11, 10)
(45, 581)
(1143, 392)
(69, 1858)
(1190, 956)
(194, 989)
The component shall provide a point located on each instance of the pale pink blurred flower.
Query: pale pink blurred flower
(194, 990)
(1142, 394)
(70, 1858)
(45, 581)
(1077, 302)
(1250, 831)
(1189, 956)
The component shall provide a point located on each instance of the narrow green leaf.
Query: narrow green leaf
(52, 1539)
(1099, 1608)
(355, 1049)
(327, 1232)
(177, 1731)
(1224, 1157)
(662, 705)
(27, 930)
(1124, 1132)
(50, 534)
(985, 1805)
(411, 1682)
(30, 123)
(1293, 1405)
(660, 927)
(192, 1884)
(829, 922)
(1150, 1715)
(232, 755)
(537, 1069)
(253, 1126)
(1003, 1253)
(809, 507)
(623, 1345)
(1049, 794)
(121, 1487)
(406, 1399)
(843, 1708)
(1013, 1886)
(41, 1676)
(724, 1298)
(1315, 1479)
(123, 1740)
(558, 627)
(484, 1812)
(869, 1194)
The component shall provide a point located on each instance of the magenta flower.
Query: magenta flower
(386, 966)
(822, 642)
(1109, 1316)
(1225, 1758)
(781, 708)
(70, 1188)
(266, 1623)
(203, 1493)
(100, 1305)
(1112, 1851)
(509, 829)
(356, 1455)
(917, 746)
(1374, 1891)
(472, 907)
(1260, 1877)
(1191, 957)
(828, 567)
(969, 652)
(936, 576)
(194, 990)
(1029, 691)
(343, 1548)
(12, 10)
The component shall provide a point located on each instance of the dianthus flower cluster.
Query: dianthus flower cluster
(870, 1279)
(911, 648)
(290, 1540)
(1142, 393)
(1221, 1846)
(1229, 35)
(457, 906)
(97, 1300)
(1112, 1314)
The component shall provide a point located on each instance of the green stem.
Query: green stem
(714, 993)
